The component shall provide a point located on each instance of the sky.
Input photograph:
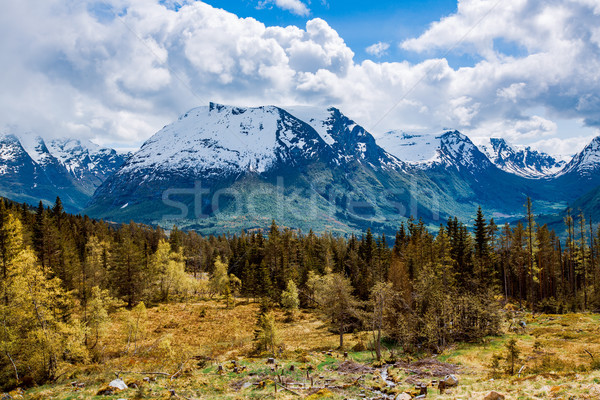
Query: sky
(117, 71)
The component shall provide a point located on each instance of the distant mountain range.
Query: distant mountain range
(222, 169)
(32, 169)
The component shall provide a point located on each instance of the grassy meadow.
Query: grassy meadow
(204, 350)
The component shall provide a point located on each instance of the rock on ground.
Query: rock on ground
(118, 384)
(450, 380)
(494, 396)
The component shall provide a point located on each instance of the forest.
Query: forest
(64, 275)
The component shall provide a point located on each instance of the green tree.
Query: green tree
(512, 355)
(334, 297)
(266, 336)
(289, 298)
(382, 302)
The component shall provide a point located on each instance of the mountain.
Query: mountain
(522, 161)
(587, 162)
(220, 169)
(223, 168)
(32, 170)
(87, 163)
(580, 181)
(581, 174)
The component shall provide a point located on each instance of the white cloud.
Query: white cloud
(74, 68)
(294, 6)
(378, 49)
(564, 149)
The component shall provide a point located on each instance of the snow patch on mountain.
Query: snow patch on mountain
(320, 119)
(411, 148)
(35, 147)
(81, 156)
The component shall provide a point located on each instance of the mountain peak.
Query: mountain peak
(221, 139)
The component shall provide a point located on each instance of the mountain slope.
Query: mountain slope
(465, 175)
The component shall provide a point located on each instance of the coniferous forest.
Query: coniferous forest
(63, 275)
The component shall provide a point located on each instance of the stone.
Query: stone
(403, 396)
(118, 384)
(450, 381)
(270, 361)
(494, 396)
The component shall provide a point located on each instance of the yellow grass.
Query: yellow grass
(193, 339)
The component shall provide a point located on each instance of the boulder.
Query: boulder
(450, 381)
(118, 384)
(403, 396)
(494, 396)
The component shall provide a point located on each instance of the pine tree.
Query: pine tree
(582, 258)
(128, 268)
(531, 250)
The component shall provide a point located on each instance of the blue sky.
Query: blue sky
(360, 23)
(116, 71)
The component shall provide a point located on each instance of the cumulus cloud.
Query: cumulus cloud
(119, 70)
(294, 6)
(378, 49)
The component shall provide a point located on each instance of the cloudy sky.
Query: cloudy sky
(116, 71)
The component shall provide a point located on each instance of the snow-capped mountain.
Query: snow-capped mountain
(30, 168)
(522, 161)
(222, 140)
(451, 149)
(587, 162)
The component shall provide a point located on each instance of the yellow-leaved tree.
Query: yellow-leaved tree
(168, 268)
(36, 336)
